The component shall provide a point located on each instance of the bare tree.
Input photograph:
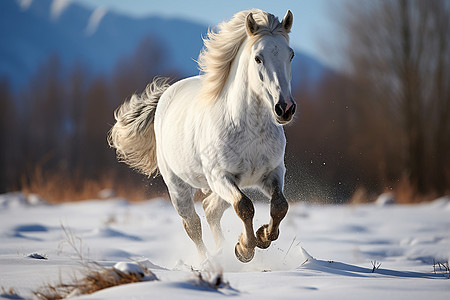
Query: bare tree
(399, 52)
(7, 122)
(440, 73)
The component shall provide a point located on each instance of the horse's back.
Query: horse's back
(177, 96)
(174, 129)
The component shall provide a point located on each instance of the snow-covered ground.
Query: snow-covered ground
(324, 252)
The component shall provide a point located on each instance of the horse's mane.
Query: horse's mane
(221, 47)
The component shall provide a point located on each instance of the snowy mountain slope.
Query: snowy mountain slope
(341, 242)
(98, 39)
(30, 36)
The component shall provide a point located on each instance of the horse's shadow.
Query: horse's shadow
(343, 269)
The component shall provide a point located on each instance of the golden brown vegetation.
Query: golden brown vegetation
(93, 281)
(58, 187)
(94, 276)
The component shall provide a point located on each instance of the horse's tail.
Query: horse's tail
(133, 135)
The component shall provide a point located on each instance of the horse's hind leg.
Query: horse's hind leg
(214, 207)
(227, 189)
(278, 209)
(181, 195)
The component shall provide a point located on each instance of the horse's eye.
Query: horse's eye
(292, 56)
(258, 60)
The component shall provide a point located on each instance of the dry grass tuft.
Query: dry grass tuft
(95, 277)
(209, 280)
(93, 281)
(9, 293)
(442, 268)
(361, 196)
(60, 186)
(375, 265)
(406, 193)
(210, 277)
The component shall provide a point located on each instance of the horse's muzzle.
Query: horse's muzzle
(284, 111)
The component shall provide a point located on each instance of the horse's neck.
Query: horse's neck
(240, 102)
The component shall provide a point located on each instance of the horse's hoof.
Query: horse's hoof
(245, 255)
(261, 237)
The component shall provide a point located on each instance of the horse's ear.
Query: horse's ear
(251, 25)
(288, 20)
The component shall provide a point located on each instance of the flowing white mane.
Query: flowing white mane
(221, 48)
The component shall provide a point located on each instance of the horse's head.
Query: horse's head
(270, 68)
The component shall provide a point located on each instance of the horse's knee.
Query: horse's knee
(244, 208)
(279, 207)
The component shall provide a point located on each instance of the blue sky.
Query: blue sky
(312, 21)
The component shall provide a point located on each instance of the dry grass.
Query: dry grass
(406, 193)
(94, 280)
(442, 268)
(361, 196)
(209, 279)
(9, 293)
(58, 187)
(94, 276)
(375, 265)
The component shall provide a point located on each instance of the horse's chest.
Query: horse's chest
(254, 152)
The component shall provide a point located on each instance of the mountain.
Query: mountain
(31, 31)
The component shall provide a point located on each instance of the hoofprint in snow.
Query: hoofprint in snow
(345, 245)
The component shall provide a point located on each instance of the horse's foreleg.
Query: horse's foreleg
(245, 248)
(269, 232)
(278, 210)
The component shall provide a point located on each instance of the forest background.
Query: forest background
(379, 124)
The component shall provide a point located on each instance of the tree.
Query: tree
(97, 116)
(398, 52)
(44, 106)
(7, 122)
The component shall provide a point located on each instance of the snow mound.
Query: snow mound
(149, 265)
(134, 268)
(443, 202)
(107, 232)
(385, 199)
(19, 199)
(129, 268)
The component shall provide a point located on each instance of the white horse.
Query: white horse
(221, 131)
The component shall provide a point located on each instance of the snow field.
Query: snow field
(324, 252)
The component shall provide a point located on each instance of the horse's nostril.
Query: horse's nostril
(294, 106)
(279, 110)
